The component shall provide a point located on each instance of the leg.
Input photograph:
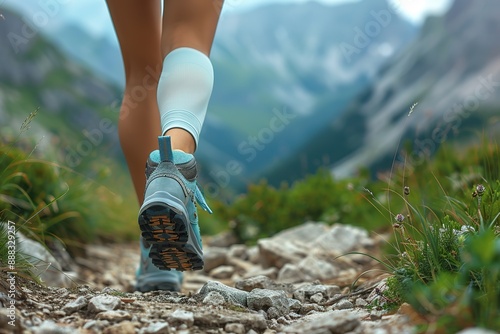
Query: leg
(167, 217)
(138, 27)
(187, 24)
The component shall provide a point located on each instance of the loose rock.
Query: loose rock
(214, 257)
(180, 317)
(125, 327)
(329, 322)
(114, 316)
(222, 272)
(214, 298)
(344, 304)
(50, 327)
(235, 328)
(156, 328)
(231, 295)
(103, 303)
(269, 300)
(75, 305)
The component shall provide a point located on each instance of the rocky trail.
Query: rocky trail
(294, 282)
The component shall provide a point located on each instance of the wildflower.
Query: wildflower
(480, 189)
(400, 218)
(463, 230)
(406, 190)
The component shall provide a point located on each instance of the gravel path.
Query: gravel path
(276, 287)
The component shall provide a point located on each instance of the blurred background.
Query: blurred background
(300, 86)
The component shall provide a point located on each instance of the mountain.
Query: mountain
(452, 70)
(290, 57)
(302, 62)
(85, 48)
(75, 108)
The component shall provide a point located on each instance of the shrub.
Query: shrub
(447, 262)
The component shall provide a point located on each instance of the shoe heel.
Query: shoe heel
(164, 222)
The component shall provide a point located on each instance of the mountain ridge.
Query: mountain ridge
(271, 59)
(451, 59)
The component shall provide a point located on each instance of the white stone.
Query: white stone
(103, 303)
(180, 317)
(75, 305)
(214, 298)
(222, 272)
(342, 239)
(316, 268)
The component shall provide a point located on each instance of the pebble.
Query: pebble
(231, 295)
(214, 298)
(50, 327)
(180, 317)
(344, 304)
(235, 328)
(376, 315)
(156, 328)
(125, 327)
(222, 272)
(114, 316)
(316, 298)
(360, 302)
(276, 302)
(103, 302)
(75, 305)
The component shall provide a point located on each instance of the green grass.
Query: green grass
(445, 256)
(48, 200)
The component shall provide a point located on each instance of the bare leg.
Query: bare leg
(188, 23)
(138, 27)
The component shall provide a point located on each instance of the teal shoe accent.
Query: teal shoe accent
(150, 278)
(168, 218)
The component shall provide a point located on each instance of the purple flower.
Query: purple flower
(480, 189)
(399, 218)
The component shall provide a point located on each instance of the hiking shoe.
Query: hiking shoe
(168, 218)
(150, 278)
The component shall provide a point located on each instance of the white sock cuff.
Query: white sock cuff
(184, 90)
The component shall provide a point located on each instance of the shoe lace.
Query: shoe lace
(200, 199)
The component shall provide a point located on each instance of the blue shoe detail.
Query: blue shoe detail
(150, 278)
(168, 217)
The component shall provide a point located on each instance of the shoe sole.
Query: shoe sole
(164, 225)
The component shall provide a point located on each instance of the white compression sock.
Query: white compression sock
(184, 90)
